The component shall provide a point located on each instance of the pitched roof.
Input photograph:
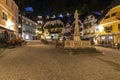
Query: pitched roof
(97, 15)
(113, 4)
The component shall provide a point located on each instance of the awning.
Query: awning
(2, 28)
(88, 36)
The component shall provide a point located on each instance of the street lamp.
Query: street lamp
(100, 28)
(68, 14)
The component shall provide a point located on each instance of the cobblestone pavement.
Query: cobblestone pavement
(37, 61)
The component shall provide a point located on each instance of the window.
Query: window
(7, 2)
(113, 14)
(13, 19)
(16, 21)
(118, 26)
(12, 6)
(108, 16)
(27, 22)
(4, 16)
(30, 24)
(108, 29)
(23, 20)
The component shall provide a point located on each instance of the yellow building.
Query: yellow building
(109, 28)
(8, 19)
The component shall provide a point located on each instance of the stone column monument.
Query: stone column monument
(77, 42)
(76, 29)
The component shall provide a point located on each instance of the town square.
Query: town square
(59, 40)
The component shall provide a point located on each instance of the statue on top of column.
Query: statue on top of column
(76, 17)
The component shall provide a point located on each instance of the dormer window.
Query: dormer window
(113, 14)
(118, 15)
(106, 17)
(27, 22)
(92, 17)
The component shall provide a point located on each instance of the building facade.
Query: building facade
(90, 23)
(28, 29)
(8, 19)
(109, 28)
(53, 29)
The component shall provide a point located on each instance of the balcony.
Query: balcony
(118, 15)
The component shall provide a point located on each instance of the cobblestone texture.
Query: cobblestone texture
(37, 61)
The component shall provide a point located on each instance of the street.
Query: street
(37, 61)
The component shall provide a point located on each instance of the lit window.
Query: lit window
(30, 24)
(26, 22)
(22, 20)
(111, 37)
(103, 37)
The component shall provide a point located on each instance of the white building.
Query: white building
(53, 29)
(28, 29)
(90, 26)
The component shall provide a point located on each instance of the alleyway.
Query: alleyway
(37, 61)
